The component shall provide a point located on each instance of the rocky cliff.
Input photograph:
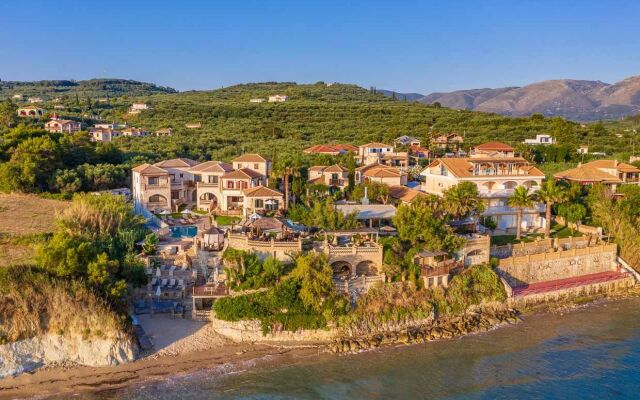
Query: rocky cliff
(30, 354)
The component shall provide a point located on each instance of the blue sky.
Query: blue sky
(421, 46)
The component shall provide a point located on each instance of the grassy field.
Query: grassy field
(24, 222)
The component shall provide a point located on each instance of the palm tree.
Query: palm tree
(287, 168)
(520, 199)
(550, 193)
(462, 199)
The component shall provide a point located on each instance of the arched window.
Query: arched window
(229, 184)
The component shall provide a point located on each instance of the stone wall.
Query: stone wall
(560, 264)
(251, 331)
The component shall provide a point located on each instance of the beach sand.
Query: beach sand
(181, 347)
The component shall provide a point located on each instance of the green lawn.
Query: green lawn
(557, 231)
(227, 220)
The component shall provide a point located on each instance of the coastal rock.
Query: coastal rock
(29, 354)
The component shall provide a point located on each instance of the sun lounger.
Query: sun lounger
(153, 281)
(172, 283)
(164, 282)
(181, 283)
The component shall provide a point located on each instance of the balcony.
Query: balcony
(152, 186)
(207, 184)
(336, 182)
(501, 192)
(539, 208)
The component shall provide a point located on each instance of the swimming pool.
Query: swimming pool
(183, 231)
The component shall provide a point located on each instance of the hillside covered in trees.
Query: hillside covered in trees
(67, 90)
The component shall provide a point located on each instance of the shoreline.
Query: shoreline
(217, 360)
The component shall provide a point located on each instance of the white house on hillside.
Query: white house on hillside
(541, 139)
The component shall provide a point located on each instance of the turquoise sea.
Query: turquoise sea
(590, 353)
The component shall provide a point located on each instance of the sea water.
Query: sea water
(590, 353)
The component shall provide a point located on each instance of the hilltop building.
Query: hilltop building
(331, 149)
(452, 142)
(540, 140)
(278, 98)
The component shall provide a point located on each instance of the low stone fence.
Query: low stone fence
(251, 331)
(554, 265)
(586, 229)
(542, 246)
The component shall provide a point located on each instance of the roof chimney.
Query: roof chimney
(615, 163)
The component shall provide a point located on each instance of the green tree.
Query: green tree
(8, 116)
(520, 199)
(550, 193)
(573, 213)
(463, 200)
(316, 279)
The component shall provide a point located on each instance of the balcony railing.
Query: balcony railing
(208, 184)
(336, 182)
(509, 210)
(501, 192)
(151, 186)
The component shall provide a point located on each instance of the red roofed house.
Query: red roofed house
(452, 142)
(62, 126)
(332, 176)
(379, 173)
(496, 173)
(607, 172)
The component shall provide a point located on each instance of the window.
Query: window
(154, 180)
(245, 184)
(197, 178)
(156, 198)
(175, 194)
(259, 203)
(213, 179)
(229, 184)
(239, 166)
(172, 177)
(256, 166)
(181, 175)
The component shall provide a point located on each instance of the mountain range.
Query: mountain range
(578, 100)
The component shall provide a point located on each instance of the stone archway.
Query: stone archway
(158, 200)
(367, 268)
(342, 269)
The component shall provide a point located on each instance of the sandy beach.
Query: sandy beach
(181, 347)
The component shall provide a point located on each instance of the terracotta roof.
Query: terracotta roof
(586, 174)
(177, 163)
(261, 191)
(611, 164)
(345, 147)
(494, 146)
(148, 169)
(382, 171)
(212, 166)
(267, 223)
(447, 138)
(463, 167)
(242, 173)
(336, 168)
(317, 180)
(404, 194)
(250, 157)
(317, 168)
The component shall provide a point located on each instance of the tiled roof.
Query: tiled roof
(250, 157)
(330, 148)
(494, 146)
(405, 194)
(261, 191)
(177, 163)
(463, 167)
(586, 174)
(381, 171)
(212, 166)
(148, 169)
(317, 180)
(242, 173)
(612, 164)
(317, 168)
(336, 168)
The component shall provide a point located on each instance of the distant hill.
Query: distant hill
(401, 96)
(578, 100)
(93, 88)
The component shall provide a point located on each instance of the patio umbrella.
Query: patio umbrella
(158, 291)
(187, 211)
(270, 201)
(254, 216)
(164, 212)
(158, 272)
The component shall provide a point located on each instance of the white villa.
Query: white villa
(104, 135)
(496, 172)
(541, 140)
(237, 188)
(278, 98)
(62, 126)
(136, 108)
(30, 111)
